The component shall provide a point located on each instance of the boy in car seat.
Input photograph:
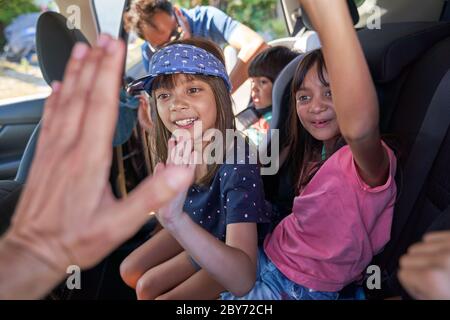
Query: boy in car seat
(263, 71)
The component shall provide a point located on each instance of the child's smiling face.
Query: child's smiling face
(188, 103)
(315, 107)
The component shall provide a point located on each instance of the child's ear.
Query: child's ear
(144, 114)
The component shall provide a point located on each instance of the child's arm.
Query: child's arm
(233, 264)
(354, 94)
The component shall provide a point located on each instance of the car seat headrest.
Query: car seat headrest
(353, 12)
(396, 45)
(281, 87)
(54, 43)
(307, 42)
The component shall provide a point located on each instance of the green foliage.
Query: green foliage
(359, 2)
(11, 9)
(260, 15)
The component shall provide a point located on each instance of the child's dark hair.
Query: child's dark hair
(270, 62)
(304, 149)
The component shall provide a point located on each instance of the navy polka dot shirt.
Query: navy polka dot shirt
(235, 195)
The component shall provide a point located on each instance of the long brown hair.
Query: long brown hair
(304, 149)
(225, 116)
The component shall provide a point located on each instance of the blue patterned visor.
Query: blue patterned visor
(178, 59)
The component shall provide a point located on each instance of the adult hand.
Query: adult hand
(183, 22)
(67, 214)
(425, 269)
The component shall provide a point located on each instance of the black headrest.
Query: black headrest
(353, 12)
(54, 43)
(281, 88)
(396, 45)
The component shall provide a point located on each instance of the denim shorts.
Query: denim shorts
(271, 284)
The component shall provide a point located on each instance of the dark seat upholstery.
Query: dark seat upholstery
(407, 62)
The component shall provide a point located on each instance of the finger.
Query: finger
(437, 236)
(49, 111)
(101, 112)
(429, 248)
(198, 155)
(193, 160)
(177, 153)
(153, 193)
(170, 150)
(187, 152)
(71, 75)
(73, 115)
(421, 260)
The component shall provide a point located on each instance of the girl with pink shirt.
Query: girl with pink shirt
(342, 214)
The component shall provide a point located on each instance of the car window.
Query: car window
(109, 15)
(20, 75)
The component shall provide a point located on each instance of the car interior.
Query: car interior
(409, 58)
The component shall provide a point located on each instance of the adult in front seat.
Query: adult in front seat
(158, 22)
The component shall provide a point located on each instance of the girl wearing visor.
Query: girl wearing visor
(209, 239)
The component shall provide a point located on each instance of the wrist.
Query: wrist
(177, 225)
(24, 274)
(325, 13)
(46, 251)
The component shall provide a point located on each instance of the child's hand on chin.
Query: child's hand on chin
(181, 155)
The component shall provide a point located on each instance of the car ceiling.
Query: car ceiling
(389, 10)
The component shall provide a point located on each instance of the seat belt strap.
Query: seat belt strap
(424, 151)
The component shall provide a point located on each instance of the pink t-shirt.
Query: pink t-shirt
(338, 223)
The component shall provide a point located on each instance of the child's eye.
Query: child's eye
(303, 99)
(328, 94)
(194, 90)
(162, 96)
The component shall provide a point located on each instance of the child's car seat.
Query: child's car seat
(408, 62)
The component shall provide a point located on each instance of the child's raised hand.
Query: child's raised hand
(180, 151)
(179, 154)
